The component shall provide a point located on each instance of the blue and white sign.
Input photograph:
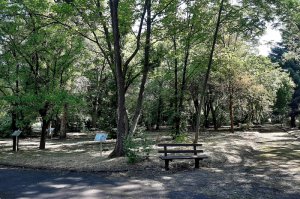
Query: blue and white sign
(16, 133)
(101, 137)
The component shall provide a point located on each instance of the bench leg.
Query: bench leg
(197, 163)
(166, 165)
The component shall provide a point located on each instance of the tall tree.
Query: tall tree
(208, 71)
(146, 68)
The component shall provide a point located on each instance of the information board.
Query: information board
(101, 137)
(16, 133)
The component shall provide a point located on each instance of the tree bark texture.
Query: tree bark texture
(121, 110)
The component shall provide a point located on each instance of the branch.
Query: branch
(138, 43)
(106, 32)
(130, 81)
(161, 11)
(2, 91)
(66, 25)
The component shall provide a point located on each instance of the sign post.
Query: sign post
(101, 137)
(15, 136)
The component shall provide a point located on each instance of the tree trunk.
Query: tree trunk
(14, 121)
(183, 81)
(146, 69)
(196, 105)
(208, 71)
(159, 111)
(293, 120)
(43, 114)
(95, 113)
(64, 122)
(231, 110)
(44, 133)
(213, 114)
(94, 119)
(14, 114)
(121, 110)
(176, 107)
(206, 114)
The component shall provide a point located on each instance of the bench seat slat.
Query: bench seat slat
(174, 144)
(180, 151)
(183, 157)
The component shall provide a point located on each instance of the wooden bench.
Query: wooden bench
(192, 151)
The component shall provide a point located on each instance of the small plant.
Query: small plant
(131, 150)
(181, 138)
(136, 148)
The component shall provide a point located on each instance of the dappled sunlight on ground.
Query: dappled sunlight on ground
(250, 164)
(271, 160)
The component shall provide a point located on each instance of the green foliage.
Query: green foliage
(137, 148)
(250, 80)
(54, 53)
(5, 123)
(131, 150)
(182, 138)
(283, 98)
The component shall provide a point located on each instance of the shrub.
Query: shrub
(137, 148)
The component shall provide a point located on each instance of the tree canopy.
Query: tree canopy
(120, 66)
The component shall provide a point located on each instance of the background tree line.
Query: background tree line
(127, 64)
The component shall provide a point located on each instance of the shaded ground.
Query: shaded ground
(263, 164)
(50, 184)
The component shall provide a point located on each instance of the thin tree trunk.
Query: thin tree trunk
(95, 112)
(14, 121)
(64, 121)
(121, 110)
(231, 110)
(176, 108)
(159, 111)
(186, 59)
(196, 105)
(14, 115)
(213, 114)
(94, 118)
(146, 69)
(208, 71)
(206, 113)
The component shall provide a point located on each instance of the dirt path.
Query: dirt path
(256, 165)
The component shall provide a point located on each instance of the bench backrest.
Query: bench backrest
(166, 150)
